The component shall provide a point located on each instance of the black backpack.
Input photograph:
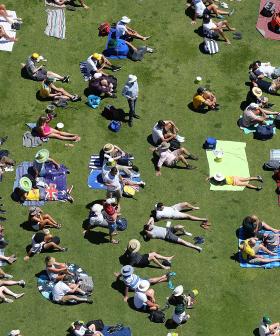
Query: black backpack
(157, 316)
(263, 132)
(112, 113)
(268, 9)
(271, 165)
(276, 121)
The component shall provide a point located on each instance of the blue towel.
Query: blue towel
(245, 264)
(120, 51)
(124, 332)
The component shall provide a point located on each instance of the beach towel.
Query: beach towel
(84, 71)
(45, 285)
(94, 161)
(245, 264)
(263, 22)
(4, 44)
(234, 163)
(116, 330)
(56, 26)
(2, 262)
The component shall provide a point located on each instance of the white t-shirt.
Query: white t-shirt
(166, 212)
(210, 25)
(97, 220)
(199, 7)
(59, 290)
(140, 300)
(158, 232)
(113, 181)
(179, 318)
(263, 329)
(91, 64)
(132, 281)
(157, 134)
(80, 332)
(265, 69)
(120, 29)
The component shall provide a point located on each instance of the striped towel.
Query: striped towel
(56, 26)
(2, 262)
(94, 161)
(84, 71)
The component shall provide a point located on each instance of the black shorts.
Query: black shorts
(140, 260)
(40, 75)
(170, 236)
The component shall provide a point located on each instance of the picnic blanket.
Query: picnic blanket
(55, 179)
(45, 285)
(4, 44)
(120, 49)
(252, 129)
(234, 163)
(95, 163)
(116, 330)
(245, 264)
(263, 22)
(56, 26)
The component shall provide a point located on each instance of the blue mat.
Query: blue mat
(245, 264)
(124, 332)
(45, 285)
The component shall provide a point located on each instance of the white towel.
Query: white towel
(4, 44)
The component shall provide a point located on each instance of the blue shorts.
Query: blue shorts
(112, 227)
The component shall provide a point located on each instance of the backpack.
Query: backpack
(86, 283)
(276, 121)
(210, 143)
(115, 126)
(174, 144)
(121, 224)
(104, 29)
(210, 46)
(93, 101)
(271, 165)
(263, 132)
(157, 316)
(268, 9)
(112, 113)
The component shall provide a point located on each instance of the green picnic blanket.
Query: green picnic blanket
(234, 163)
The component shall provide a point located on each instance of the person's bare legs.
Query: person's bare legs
(47, 222)
(225, 24)
(265, 260)
(64, 133)
(47, 216)
(131, 46)
(67, 298)
(5, 14)
(54, 75)
(53, 246)
(188, 206)
(62, 137)
(221, 32)
(216, 10)
(183, 159)
(151, 295)
(193, 218)
(83, 4)
(153, 256)
(157, 280)
(65, 93)
(187, 244)
(6, 36)
(5, 290)
(10, 283)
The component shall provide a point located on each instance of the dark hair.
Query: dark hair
(161, 123)
(47, 259)
(114, 170)
(67, 278)
(159, 205)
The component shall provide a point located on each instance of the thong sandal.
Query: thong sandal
(115, 241)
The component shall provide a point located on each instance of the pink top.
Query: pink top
(46, 129)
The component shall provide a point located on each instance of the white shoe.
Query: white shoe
(8, 276)
(187, 233)
(8, 300)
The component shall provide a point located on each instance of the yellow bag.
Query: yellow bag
(33, 195)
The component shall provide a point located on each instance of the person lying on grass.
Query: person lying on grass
(3, 243)
(8, 17)
(136, 259)
(252, 227)
(170, 159)
(4, 35)
(43, 241)
(80, 328)
(169, 234)
(38, 220)
(249, 249)
(39, 73)
(131, 280)
(5, 291)
(267, 328)
(202, 7)
(204, 99)
(50, 91)
(44, 130)
(220, 179)
(255, 114)
(217, 27)
(56, 270)
(264, 69)
(165, 131)
(64, 292)
(177, 211)
(267, 86)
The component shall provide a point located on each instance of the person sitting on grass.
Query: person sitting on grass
(252, 227)
(38, 220)
(4, 35)
(169, 234)
(64, 292)
(165, 130)
(44, 130)
(40, 73)
(249, 249)
(254, 114)
(98, 62)
(179, 297)
(144, 297)
(177, 211)
(5, 291)
(43, 241)
(170, 159)
(126, 33)
(56, 271)
(79, 328)
(218, 27)
(220, 179)
(270, 241)
(202, 7)
(50, 91)
(204, 99)
(100, 86)
(42, 158)
(131, 280)
(255, 95)
(3, 243)
(267, 328)
(115, 152)
(136, 259)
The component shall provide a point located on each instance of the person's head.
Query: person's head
(200, 90)
(127, 271)
(125, 20)
(159, 206)
(35, 57)
(77, 325)
(133, 246)
(267, 320)
(114, 171)
(252, 242)
(49, 260)
(67, 279)
(104, 82)
(143, 286)
(219, 178)
(161, 123)
(42, 120)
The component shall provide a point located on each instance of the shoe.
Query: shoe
(8, 276)
(66, 79)
(4, 139)
(220, 16)
(142, 184)
(22, 283)
(190, 167)
(187, 233)
(147, 37)
(8, 300)
(89, 301)
(192, 157)
(136, 116)
(130, 123)
(64, 249)
(70, 189)
(259, 188)
(116, 68)
(216, 108)
(259, 178)
(76, 98)
(3, 219)
(19, 295)
(231, 12)
(199, 249)
(2, 211)
(170, 274)
(70, 199)
(150, 50)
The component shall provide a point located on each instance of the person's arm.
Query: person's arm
(194, 18)
(57, 270)
(263, 248)
(168, 138)
(151, 304)
(125, 298)
(267, 112)
(172, 123)
(36, 219)
(57, 165)
(269, 228)
(159, 165)
(74, 288)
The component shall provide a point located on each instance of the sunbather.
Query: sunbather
(134, 258)
(42, 157)
(56, 271)
(169, 234)
(170, 159)
(3, 243)
(126, 33)
(220, 179)
(40, 73)
(264, 69)
(6, 15)
(218, 27)
(50, 91)
(250, 248)
(4, 35)
(44, 130)
(204, 99)
(252, 226)
(97, 62)
(270, 241)
(4, 275)
(38, 220)
(5, 291)
(63, 3)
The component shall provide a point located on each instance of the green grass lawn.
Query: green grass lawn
(231, 299)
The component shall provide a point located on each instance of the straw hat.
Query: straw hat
(164, 145)
(219, 177)
(133, 245)
(127, 270)
(96, 56)
(108, 148)
(257, 92)
(132, 78)
(178, 290)
(25, 184)
(125, 19)
(143, 286)
(42, 156)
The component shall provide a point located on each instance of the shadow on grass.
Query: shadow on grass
(201, 111)
(119, 286)
(26, 226)
(96, 237)
(256, 332)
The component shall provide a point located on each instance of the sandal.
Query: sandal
(115, 241)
